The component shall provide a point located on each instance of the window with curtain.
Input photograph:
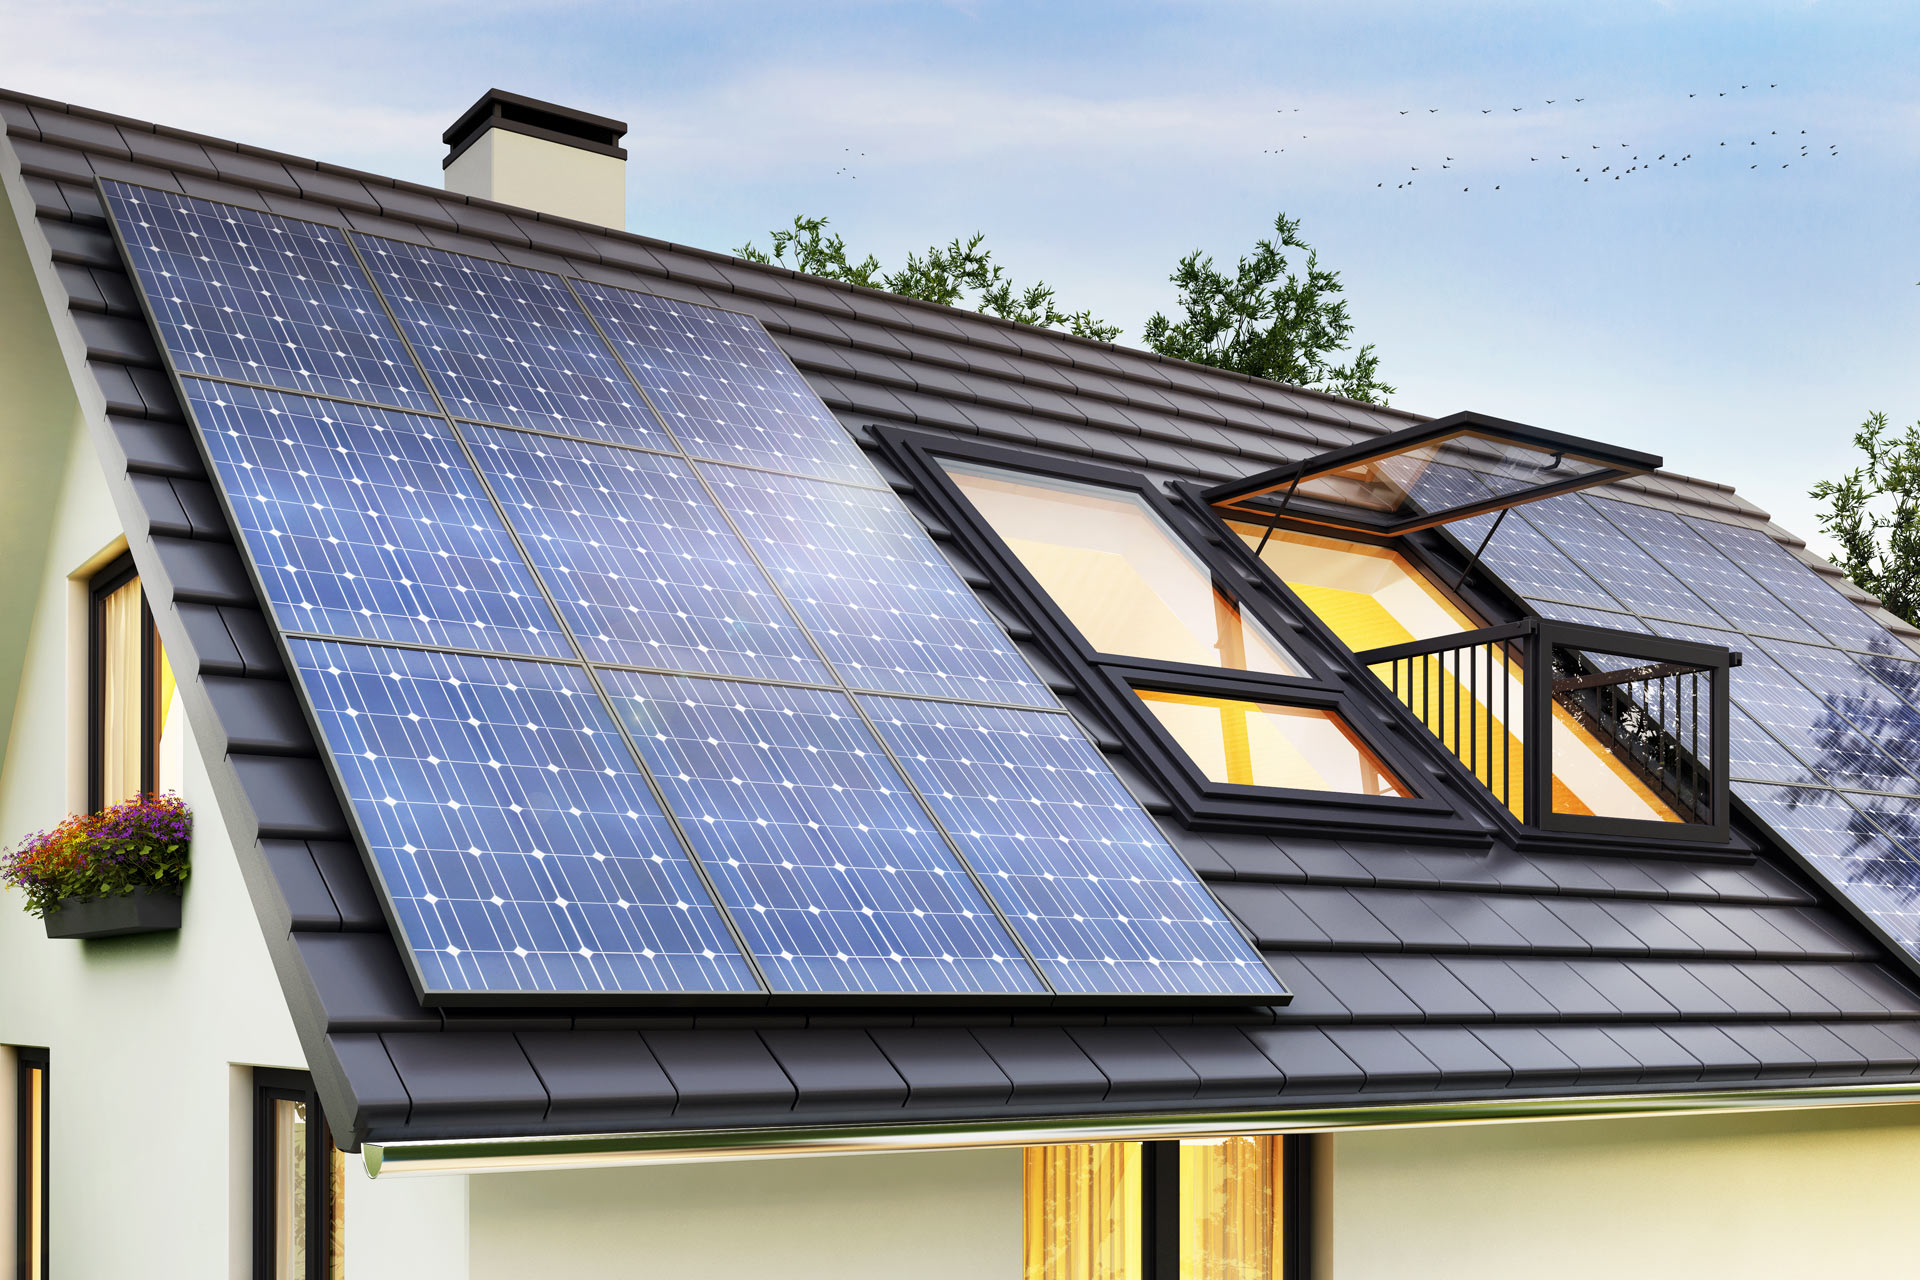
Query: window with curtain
(31, 1164)
(132, 728)
(1230, 1209)
(299, 1183)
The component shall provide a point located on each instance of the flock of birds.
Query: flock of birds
(1640, 159)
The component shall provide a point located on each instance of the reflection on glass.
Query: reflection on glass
(1083, 1212)
(1371, 597)
(1232, 1209)
(33, 1169)
(1118, 573)
(1265, 745)
(122, 686)
(290, 1189)
(1443, 474)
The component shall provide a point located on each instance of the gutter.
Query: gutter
(600, 1151)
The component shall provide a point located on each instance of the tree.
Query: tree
(1873, 513)
(946, 276)
(1268, 322)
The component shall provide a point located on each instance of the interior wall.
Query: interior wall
(929, 1216)
(1775, 1194)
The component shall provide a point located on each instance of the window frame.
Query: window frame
(1440, 804)
(25, 1061)
(270, 1087)
(106, 580)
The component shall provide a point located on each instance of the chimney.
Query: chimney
(540, 156)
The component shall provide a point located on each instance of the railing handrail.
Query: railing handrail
(1447, 644)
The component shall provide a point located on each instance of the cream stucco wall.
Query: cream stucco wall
(936, 1216)
(1780, 1194)
(548, 177)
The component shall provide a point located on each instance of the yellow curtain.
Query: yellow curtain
(337, 1208)
(122, 745)
(34, 1143)
(290, 1190)
(1083, 1212)
(1232, 1225)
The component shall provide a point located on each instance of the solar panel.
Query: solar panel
(1796, 585)
(837, 878)
(1850, 848)
(640, 560)
(369, 523)
(1628, 570)
(236, 293)
(1523, 559)
(518, 845)
(722, 387)
(507, 345)
(885, 607)
(1100, 898)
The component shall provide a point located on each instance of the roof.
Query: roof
(1419, 972)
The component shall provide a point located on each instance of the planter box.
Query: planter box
(142, 911)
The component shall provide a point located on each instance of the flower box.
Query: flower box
(142, 911)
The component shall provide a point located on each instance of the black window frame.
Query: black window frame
(272, 1086)
(25, 1061)
(106, 580)
(1443, 806)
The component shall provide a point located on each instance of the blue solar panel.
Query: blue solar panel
(640, 560)
(1797, 585)
(867, 582)
(519, 846)
(1586, 617)
(1532, 566)
(1872, 708)
(507, 345)
(369, 523)
(833, 871)
(1628, 571)
(1716, 579)
(1845, 841)
(240, 294)
(722, 387)
(1102, 901)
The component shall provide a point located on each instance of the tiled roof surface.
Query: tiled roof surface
(1417, 971)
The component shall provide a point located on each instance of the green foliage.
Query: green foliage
(961, 274)
(140, 843)
(1873, 513)
(1267, 321)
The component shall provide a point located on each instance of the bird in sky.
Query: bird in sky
(1487, 112)
(1403, 113)
(1549, 101)
(1579, 99)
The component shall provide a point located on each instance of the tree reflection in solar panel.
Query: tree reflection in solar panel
(507, 345)
(1850, 848)
(723, 388)
(889, 612)
(369, 523)
(518, 842)
(1103, 902)
(236, 293)
(833, 871)
(640, 560)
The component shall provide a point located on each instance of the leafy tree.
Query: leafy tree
(1267, 321)
(1873, 513)
(957, 275)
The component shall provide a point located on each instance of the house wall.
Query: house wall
(931, 1216)
(1776, 1194)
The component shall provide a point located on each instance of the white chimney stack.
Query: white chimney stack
(540, 156)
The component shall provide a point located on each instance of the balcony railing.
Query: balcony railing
(1576, 728)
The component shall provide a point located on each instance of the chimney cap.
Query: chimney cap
(517, 113)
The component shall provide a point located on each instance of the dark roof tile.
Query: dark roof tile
(943, 1068)
(1388, 1058)
(470, 1080)
(1534, 1059)
(593, 1078)
(1596, 1057)
(1310, 1061)
(1495, 984)
(1432, 986)
(1044, 1065)
(361, 984)
(836, 1069)
(1136, 1062)
(720, 1071)
(1358, 983)
(1224, 1059)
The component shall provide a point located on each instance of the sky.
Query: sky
(1736, 308)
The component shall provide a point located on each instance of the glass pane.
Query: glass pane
(34, 1141)
(1441, 475)
(1118, 573)
(1265, 745)
(289, 1190)
(121, 688)
(1232, 1202)
(1649, 729)
(1083, 1212)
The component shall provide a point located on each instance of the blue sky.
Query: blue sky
(1736, 316)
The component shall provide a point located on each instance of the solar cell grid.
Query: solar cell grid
(507, 345)
(639, 559)
(519, 846)
(888, 611)
(236, 293)
(1100, 898)
(1858, 696)
(722, 387)
(1532, 566)
(1796, 585)
(1850, 849)
(369, 523)
(1614, 560)
(1695, 561)
(831, 868)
